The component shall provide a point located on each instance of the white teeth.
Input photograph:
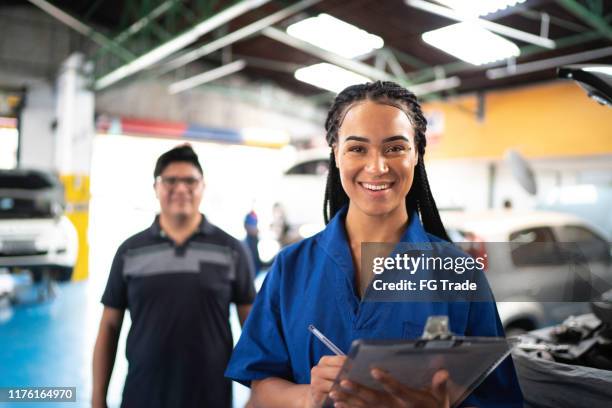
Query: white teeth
(375, 187)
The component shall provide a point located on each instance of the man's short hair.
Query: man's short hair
(183, 153)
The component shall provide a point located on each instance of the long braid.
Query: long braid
(419, 198)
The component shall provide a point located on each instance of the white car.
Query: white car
(34, 234)
(536, 260)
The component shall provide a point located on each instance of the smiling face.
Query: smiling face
(376, 157)
(179, 189)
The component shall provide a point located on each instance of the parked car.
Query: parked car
(34, 233)
(542, 266)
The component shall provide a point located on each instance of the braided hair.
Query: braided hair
(419, 198)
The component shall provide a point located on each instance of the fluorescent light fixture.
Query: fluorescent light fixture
(479, 7)
(489, 25)
(335, 35)
(471, 43)
(328, 76)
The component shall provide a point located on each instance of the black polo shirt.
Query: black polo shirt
(178, 297)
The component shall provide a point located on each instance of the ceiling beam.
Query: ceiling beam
(541, 65)
(145, 21)
(83, 29)
(489, 25)
(181, 41)
(208, 76)
(592, 19)
(237, 35)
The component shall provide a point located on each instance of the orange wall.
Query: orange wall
(555, 119)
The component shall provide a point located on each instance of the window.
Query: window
(534, 247)
(591, 246)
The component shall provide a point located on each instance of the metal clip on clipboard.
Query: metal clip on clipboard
(437, 328)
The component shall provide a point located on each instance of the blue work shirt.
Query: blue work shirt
(312, 282)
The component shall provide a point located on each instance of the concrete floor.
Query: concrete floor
(50, 343)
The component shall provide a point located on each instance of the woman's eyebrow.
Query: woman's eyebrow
(394, 138)
(386, 140)
(358, 139)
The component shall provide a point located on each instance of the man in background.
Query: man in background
(177, 279)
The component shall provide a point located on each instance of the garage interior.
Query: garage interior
(93, 92)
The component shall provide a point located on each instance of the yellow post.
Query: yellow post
(77, 195)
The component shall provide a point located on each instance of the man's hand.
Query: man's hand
(322, 378)
(396, 395)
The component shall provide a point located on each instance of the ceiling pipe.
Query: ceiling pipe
(541, 65)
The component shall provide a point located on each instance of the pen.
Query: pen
(325, 341)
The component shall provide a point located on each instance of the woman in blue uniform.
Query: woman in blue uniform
(377, 191)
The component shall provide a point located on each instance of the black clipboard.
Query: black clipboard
(468, 360)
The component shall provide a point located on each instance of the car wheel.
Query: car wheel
(61, 274)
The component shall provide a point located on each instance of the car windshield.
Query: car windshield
(11, 208)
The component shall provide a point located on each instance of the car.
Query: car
(542, 266)
(35, 236)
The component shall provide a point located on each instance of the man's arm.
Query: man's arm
(104, 353)
(243, 312)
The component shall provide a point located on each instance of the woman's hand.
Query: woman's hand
(322, 378)
(395, 395)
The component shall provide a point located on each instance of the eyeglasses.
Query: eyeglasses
(172, 182)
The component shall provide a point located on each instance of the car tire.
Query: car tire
(62, 274)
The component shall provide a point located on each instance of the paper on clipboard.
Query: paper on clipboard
(468, 360)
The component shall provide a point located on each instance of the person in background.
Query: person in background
(252, 240)
(177, 278)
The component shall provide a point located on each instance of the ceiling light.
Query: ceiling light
(471, 43)
(328, 76)
(479, 7)
(335, 35)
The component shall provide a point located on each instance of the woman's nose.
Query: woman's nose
(377, 164)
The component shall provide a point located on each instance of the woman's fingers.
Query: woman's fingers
(322, 376)
(437, 396)
(354, 396)
(439, 383)
(397, 389)
(332, 361)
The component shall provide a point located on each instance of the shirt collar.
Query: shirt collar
(335, 234)
(204, 228)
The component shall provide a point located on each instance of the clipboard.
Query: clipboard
(468, 360)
